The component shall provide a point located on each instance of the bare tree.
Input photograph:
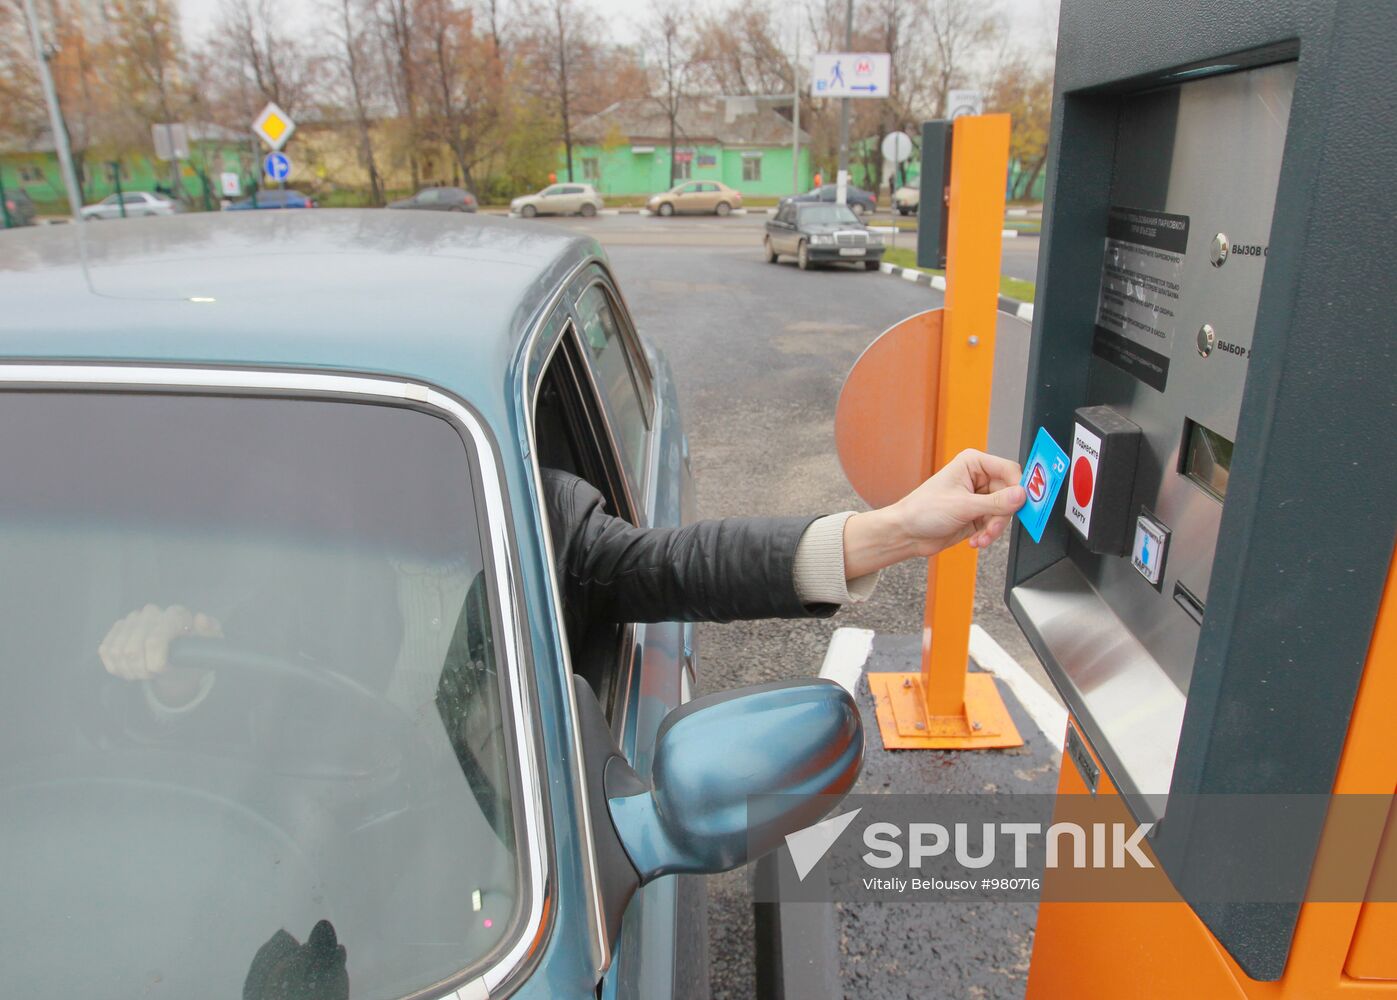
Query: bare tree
(739, 51)
(958, 29)
(556, 50)
(355, 62)
(268, 64)
(465, 99)
(398, 33)
(22, 113)
(670, 47)
(1024, 90)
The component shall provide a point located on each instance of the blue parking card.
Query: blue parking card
(1043, 475)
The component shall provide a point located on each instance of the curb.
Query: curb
(646, 211)
(1023, 310)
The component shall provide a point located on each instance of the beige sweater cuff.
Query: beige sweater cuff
(819, 565)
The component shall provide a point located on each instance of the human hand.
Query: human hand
(137, 648)
(972, 496)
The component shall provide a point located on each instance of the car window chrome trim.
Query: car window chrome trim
(601, 943)
(634, 354)
(97, 377)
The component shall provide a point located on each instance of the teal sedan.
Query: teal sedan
(366, 763)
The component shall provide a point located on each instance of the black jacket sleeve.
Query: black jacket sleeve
(724, 570)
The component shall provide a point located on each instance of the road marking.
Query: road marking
(1042, 707)
(845, 658)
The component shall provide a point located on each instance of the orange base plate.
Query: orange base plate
(902, 719)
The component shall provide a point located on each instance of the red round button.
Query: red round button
(1081, 481)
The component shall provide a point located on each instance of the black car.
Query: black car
(439, 199)
(19, 210)
(814, 232)
(858, 199)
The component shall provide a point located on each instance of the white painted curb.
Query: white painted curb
(848, 652)
(1042, 707)
(849, 649)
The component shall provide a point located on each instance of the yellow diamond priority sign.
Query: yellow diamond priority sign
(274, 126)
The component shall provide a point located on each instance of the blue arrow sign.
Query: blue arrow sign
(277, 166)
(870, 87)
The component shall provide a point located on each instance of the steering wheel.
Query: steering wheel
(326, 686)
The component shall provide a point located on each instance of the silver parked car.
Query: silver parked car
(559, 199)
(137, 203)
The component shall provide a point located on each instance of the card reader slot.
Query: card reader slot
(1189, 601)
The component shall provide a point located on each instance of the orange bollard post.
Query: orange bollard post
(944, 706)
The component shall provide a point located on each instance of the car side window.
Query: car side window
(617, 380)
(134, 199)
(570, 436)
(427, 197)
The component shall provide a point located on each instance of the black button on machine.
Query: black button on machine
(1101, 479)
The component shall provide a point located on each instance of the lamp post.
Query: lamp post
(60, 131)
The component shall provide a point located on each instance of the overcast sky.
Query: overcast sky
(1029, 20)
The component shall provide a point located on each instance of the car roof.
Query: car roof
(429, 297)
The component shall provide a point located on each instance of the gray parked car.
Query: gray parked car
(439, 199)
(861, 201)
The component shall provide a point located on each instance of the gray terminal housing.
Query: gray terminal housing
(1207, 271)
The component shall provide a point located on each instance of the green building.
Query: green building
(741, 141)
(32, 166)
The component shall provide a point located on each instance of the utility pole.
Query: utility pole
(843, 179)
(795, 116)
(60, 131)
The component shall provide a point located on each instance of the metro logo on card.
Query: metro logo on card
(1044, 473)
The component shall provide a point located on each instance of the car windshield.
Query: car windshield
(820, 215)
(249, 688)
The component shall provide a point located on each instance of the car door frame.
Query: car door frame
(648, 961)
(662, 953)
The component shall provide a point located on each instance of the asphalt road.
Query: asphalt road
(760, 352)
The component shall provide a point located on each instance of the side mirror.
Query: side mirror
(799, 742)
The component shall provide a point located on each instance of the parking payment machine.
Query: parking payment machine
(1213, 349)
